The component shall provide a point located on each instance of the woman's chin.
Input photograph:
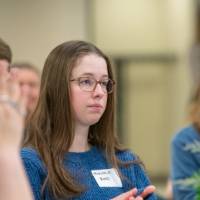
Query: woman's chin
(93, 121)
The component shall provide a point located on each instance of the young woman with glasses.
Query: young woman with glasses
(73, 151)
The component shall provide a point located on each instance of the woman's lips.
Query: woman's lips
(95, 107)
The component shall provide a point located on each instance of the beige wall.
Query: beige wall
(147, 117)
(130, 26)
(34, 28)
(180, 16)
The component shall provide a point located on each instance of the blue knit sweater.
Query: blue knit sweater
(184, 162)
(80, 166)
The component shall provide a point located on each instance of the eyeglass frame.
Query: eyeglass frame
(96, 82)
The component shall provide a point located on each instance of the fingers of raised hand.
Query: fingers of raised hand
(13, 85)
(10, 92)
(147, 191)
(136, 198)
(126, 195)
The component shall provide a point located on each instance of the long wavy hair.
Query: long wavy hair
(194, 107)
(51, 128)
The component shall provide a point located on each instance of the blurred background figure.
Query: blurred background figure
(28, 77)
(185, 161)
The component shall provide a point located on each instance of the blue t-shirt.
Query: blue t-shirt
(80, 166)
(184, 162)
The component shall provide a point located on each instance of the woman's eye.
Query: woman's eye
(86, 82)
(104, 83)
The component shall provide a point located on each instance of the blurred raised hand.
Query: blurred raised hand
(13, 182)
(12, 110)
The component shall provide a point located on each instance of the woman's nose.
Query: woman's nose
(98, 90)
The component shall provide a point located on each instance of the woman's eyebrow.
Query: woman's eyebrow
(87, 74)
(91, 74)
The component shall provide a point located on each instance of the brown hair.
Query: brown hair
(5, 51)
(51, 126)
(194, 107)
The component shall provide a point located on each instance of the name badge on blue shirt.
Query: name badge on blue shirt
(107, 177)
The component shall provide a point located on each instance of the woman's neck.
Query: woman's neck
(80, 142)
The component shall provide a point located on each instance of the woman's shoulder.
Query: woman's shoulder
(31, 158)
(186, 134)
(126, 155)
(29, 153)
(35, 170)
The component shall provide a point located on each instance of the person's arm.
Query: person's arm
(13, 182)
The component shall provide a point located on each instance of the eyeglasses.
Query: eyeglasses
(88, 84)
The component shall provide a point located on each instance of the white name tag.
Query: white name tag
(107, 178)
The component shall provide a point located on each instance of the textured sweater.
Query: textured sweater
(80, 166)
(184, 162)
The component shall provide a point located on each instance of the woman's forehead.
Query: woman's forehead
(91, 64)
